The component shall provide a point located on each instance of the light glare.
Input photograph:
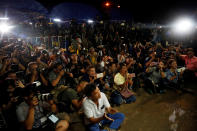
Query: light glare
(90, 21)
(107, 4)
(5, 28)
(4, 18)
(183, 26)
(57, 20)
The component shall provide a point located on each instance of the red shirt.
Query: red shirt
(191, 63)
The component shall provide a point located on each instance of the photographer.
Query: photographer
(110, 73)
(139, 56)
(73, 97)
(16, 61)
(135, 67)
(129, 61)
(30, 112)
(55, 57)
(150, 58)
(9, 95)
(43, 59)
(121, 57)
(93, 77)
(90, 77)
(35, 75)
(154, 81)
(56, 75)
(75, 66)
(11, 64)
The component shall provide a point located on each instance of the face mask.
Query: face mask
(102, 64)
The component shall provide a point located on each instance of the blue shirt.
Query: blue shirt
(170, 74)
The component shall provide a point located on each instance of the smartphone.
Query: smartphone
(53, 118)
(132, 75)
(100, 75)
(181, 69)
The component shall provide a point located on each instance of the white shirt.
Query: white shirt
(92, 110)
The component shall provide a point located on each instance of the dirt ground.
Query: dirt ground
(170, 111)
(161, 112)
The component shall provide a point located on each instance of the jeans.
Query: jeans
(130, 99)
(118, 119)
(117, 98)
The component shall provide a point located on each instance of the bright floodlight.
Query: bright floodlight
(4, 28)
(4, 18)
(57, 20)
(183, 26)
(90, 21)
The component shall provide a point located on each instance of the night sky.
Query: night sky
(140, 10)
(137, 10)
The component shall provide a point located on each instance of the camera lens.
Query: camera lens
(45, 97)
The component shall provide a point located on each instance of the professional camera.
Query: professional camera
(36, 84)
(20, 74)
(14, 67)
(44, 97)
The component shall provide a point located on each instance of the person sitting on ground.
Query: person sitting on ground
(90, 77)
(95, 106)
(123, 83)
(31, 112)
(73, 98)
(172, 75)
(154, 81)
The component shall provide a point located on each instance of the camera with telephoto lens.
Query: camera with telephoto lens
(44, 97)
(41, 96)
